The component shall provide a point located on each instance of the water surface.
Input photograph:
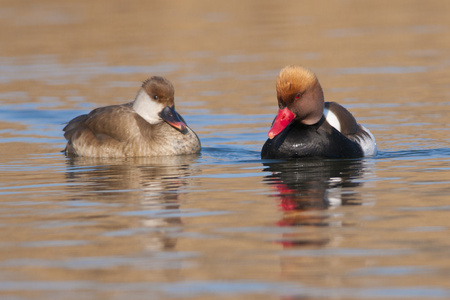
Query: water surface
(225, 224)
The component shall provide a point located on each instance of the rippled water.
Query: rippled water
(225, 224)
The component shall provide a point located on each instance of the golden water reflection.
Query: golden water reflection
(224, 225)
(304, 188)
(151, 183)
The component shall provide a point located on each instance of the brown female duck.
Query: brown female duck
(147, 126)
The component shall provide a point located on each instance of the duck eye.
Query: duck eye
(155, 97)
(298, 96)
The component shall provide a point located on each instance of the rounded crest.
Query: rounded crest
(160, 90)
(293, 80)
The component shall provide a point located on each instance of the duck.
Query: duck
(307, 126)
(147, 126)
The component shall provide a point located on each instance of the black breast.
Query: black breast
(318, 140)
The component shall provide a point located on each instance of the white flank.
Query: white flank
(147, 108)
(368, 144)
(332, 119)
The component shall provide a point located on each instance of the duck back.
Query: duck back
(118, 131)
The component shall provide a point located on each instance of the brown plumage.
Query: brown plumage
(147, 126)
(296, 82)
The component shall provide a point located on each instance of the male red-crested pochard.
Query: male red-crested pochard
(306, 126)
(147, 126)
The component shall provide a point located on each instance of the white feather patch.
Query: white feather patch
(367, 143)
(147, 108)
(332, 119)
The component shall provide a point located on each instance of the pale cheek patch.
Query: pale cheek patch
(147, 108)
(332, 119)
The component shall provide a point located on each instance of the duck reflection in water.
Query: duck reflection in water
(138, 185)
(305, 186)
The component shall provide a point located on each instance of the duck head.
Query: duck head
(155, 103)
(300, 99)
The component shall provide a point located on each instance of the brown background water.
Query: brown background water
(225, 224)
